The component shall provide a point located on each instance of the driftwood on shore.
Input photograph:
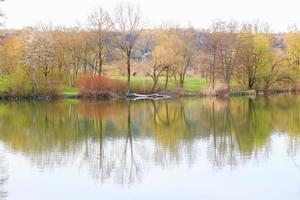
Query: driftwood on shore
(156, 96)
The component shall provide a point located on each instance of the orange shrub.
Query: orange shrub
(100, 85)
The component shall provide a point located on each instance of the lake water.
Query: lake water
(198, 148)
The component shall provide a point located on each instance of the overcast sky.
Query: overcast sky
(199, 13)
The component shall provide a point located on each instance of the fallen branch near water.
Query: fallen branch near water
(156, 96)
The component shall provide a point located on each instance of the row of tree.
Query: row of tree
(250, 55)
(228, 53)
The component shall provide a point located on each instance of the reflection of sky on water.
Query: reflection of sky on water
(182, 149)
(274, 177)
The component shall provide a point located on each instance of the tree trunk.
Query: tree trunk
(181, 82)
(128, 71)
(167, 79)
(154, 84)
(100, 65)
(250, 84)
(46, 80)
(34, 82)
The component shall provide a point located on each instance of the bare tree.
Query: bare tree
(101, 25)
(211, 51)
(128, 21)
(186, 53)
(221, 47)
(229, 50)
(160, 59)
(157, 69)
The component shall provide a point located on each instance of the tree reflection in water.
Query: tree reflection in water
(117, 140)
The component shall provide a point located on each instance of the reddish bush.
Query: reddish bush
(100, 85)
(223, 91)
(220, 90)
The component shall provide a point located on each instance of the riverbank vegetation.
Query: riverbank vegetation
(116, 53)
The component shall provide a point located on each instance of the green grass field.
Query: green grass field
(14, 84)
(191, 84)
(68, 91)
(6, 82)
(138, 84)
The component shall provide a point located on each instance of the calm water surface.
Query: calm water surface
(207, 148)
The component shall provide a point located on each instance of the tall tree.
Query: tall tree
(229, 49)
(160, 60)
(128, 21)
(277, 71)
(256, 53)
(39, 54)
(293, 48)
(70, 49)
(101, 26)
(222, 46)
(185, 50)
(210, 49)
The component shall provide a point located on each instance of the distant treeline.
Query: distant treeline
(229, 55)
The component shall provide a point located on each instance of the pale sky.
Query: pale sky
(199, 13)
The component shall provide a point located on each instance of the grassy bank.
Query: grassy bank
(13, 88)
(144, 84)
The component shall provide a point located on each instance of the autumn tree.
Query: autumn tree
(277, 71)
(185, 49)
(160, 58)
(11, 53)
(293, 48)
(69, 45)
(256, 53)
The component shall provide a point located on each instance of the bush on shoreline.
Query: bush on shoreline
(100, 86)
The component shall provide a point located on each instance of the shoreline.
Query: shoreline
(135, 96)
